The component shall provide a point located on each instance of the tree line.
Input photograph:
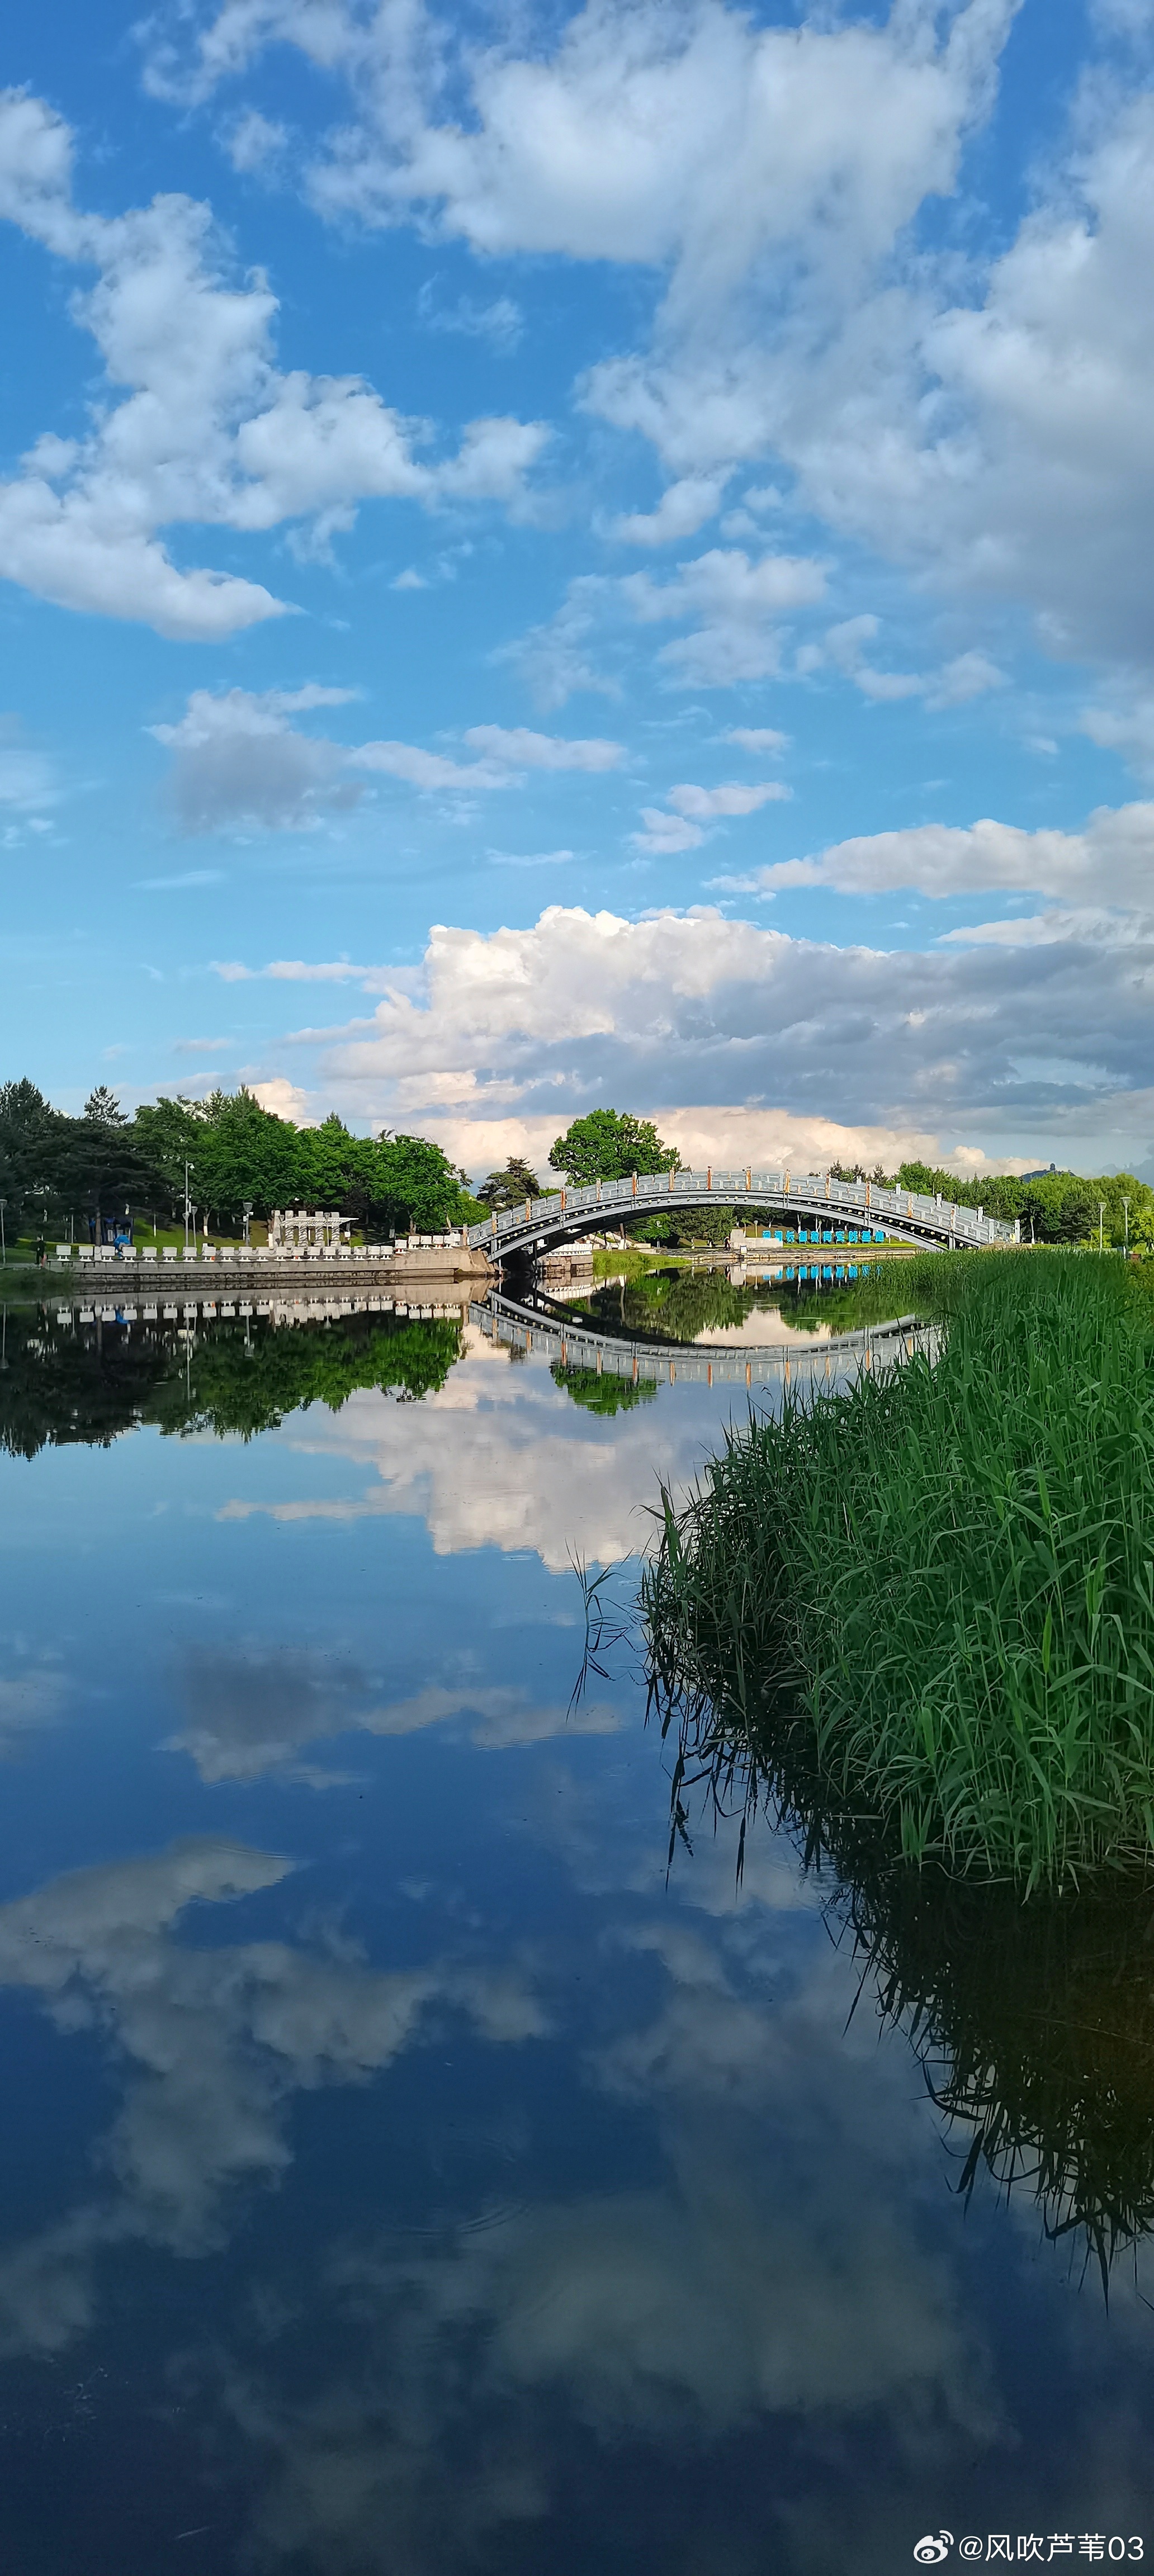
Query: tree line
(1054, 1207)
(104, 1166)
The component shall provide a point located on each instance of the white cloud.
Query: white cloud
(26, 782)
(208, 431)
(501, 322)
(551, 1484)
(705, 803)
(285, 1099)
(666, 834)
(1110, 861)
(254, 142)
(760, 738)
(986, 422)
(239, 764)
(1126, 726)
(553, 658)
(688, 140)
(525, 1025)
(683, 508)
(289, 970)
(521, 749)
(738, 603)
(968, 676)
(428, 769)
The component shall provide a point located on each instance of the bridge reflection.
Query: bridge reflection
(534, 1324)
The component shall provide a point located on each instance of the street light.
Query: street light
(3, 1245)
(1101, 1214)
(248, 1209)
(186, 1207)
(1126, 1230)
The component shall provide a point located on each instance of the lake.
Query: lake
(408, 2168)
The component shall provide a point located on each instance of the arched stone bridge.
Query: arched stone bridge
(808, 1200)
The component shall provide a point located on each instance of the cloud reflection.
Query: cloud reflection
(498, 1457)
(253, 1709)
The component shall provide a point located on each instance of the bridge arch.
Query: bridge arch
(809, 1200)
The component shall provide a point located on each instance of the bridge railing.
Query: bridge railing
(857, 1202)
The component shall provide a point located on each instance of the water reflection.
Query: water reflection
(787, 1302)
(1033, 2021)
(399, 2177)
(70, 1377)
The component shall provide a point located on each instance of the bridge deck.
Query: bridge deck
(798, 1199)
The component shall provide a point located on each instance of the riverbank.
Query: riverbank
(923, 1610)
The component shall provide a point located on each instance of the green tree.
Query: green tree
(103, 1108)
(415, 1187)
(29, 1133)
(99, 1168)
(610, 1144)
(509, 1187)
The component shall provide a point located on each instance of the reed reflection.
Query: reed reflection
(1032, 2018)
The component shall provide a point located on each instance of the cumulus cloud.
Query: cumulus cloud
(772, 179)
(208, 430)
(537, 1023)
(691, 141)
(998, 443)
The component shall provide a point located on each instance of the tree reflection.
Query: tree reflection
(679, 1305)
(62, 1381)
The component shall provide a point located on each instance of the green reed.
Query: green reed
(931, 1598)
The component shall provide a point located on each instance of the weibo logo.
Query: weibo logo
(930, 2552)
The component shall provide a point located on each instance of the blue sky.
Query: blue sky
(552, 557)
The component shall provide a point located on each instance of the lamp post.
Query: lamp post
(186, 1207)
(1125, 1229)
(248, 1209)
(1101, 1214)
(3, 1245)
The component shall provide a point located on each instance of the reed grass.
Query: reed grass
(927, 1603)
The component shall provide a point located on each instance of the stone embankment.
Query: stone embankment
(400, 1266)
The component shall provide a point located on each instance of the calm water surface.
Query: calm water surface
(401, 2177)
